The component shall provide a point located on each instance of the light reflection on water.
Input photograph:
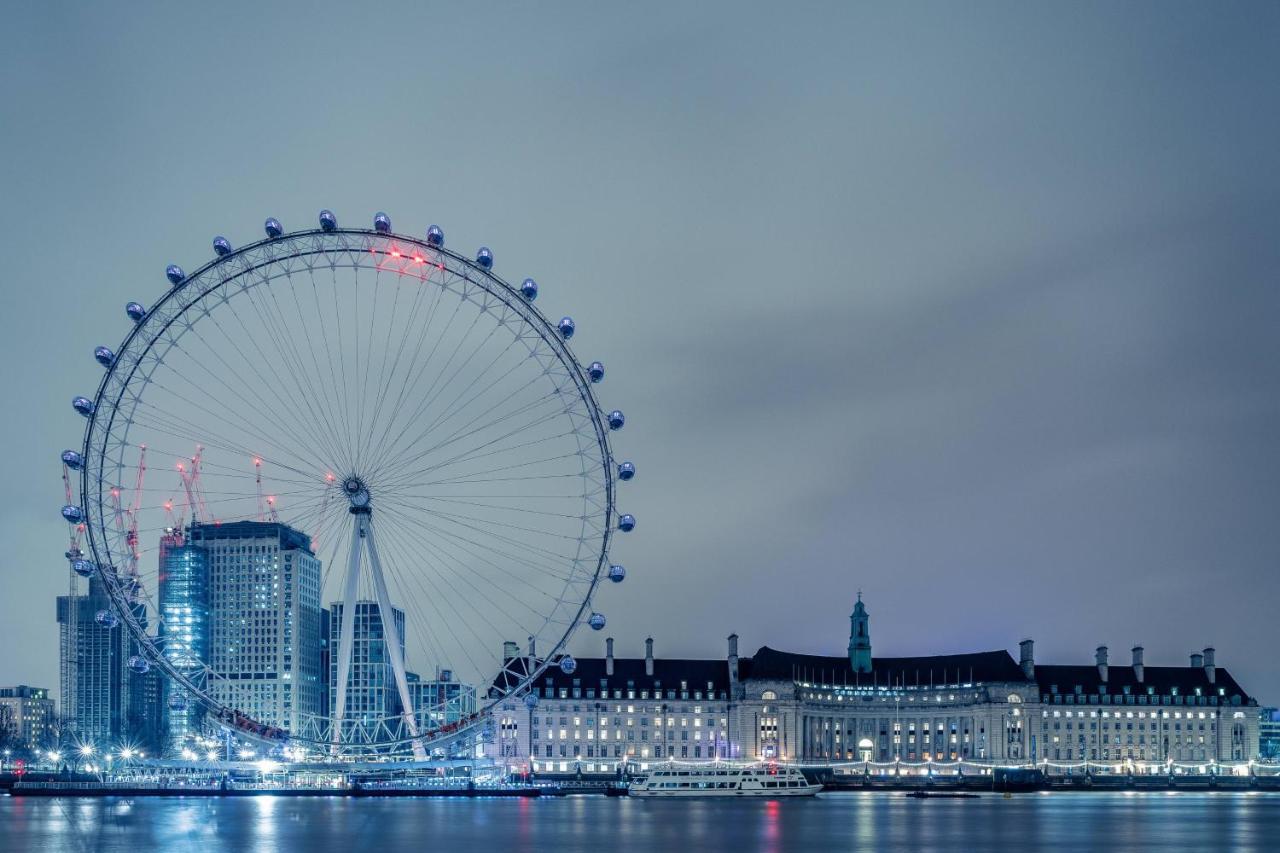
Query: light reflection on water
(861, 821)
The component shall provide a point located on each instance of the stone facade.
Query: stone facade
(983, 707)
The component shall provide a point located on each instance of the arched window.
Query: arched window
(768, 696)
(1014, 697)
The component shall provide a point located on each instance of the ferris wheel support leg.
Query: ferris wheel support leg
(392, 634)
(345, 644)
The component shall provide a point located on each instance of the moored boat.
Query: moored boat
(764, 781)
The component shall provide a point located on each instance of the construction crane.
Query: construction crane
(257, 468)
(189, 472)
(126, 521)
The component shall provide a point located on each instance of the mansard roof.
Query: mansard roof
(932, 669)
(629, 673)
(1164, 680)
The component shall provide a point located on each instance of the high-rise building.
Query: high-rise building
(371, 683)
(264, 620)
(27, 720)
(184, 613)
(106, 703)
(95, 672)
(441, 700)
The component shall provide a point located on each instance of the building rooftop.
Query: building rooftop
(770, 663)
(288, 537)
(1163, 680)
(629, 673)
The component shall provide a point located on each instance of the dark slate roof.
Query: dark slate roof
(939, 669)
(628, 673)
(1163, 678)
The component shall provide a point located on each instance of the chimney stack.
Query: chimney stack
(1138, 668)
(1028, 660)
(1197, 660)
(648, 657)
(1100, 657)
(509, 650)
(608, 656)
(1210, 671)
(532, 650)
(733, 658)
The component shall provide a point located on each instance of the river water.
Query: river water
(879, 821)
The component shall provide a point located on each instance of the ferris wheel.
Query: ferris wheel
(330, 472)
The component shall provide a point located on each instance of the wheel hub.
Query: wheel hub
(357, 493)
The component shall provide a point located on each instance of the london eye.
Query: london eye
(370, 464)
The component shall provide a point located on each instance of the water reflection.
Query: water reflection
(863, 821)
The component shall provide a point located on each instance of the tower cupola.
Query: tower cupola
(860, 637)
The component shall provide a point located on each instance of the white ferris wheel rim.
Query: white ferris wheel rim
(105, 438)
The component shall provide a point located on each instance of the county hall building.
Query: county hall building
(984, 707)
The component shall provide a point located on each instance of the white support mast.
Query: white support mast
(361, 539)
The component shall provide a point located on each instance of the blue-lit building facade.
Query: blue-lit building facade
(442, 700)
(94, 669)
(264, 620)
(103, 701)
(371, 686)
(1269, 734)
(184, 631)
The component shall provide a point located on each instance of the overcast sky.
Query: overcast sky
(971, 306)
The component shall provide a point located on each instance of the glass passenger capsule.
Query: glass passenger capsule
(529, 289)
(595, 371)
(106, 619)
(221, 246)
(273, 227)
(435, 236)
(531, 700)
(568, 665)
(382, 223)
(83, 405)
(174, 273)
(617, 573)
(72, 459)
(73, 513)
(104, 356)
(626, 523)
(84, 568)
(616, 419)
(566, 327)
(137, 313)
(626, 471)
(485, 258)
(596, 621)
(328, 221)
(139, 664)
